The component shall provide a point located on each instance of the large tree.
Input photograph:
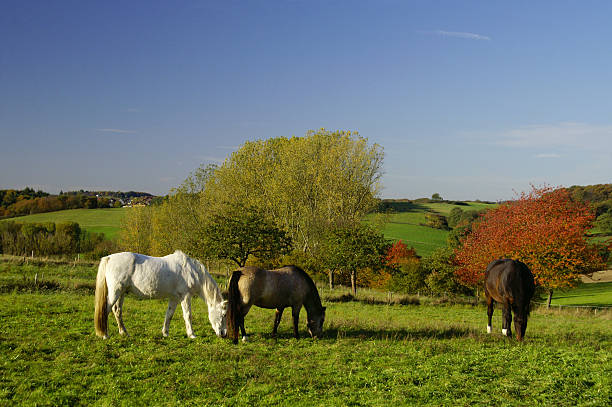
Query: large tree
(305, 185)
(352, 249)
(544, 228)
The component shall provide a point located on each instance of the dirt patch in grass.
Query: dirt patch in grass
(603, 276)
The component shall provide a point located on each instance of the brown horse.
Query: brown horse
(510, 283)
(288, 286)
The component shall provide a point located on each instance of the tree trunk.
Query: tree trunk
(353, 283)
(550, 293)
(331, 279)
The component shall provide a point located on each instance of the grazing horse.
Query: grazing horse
(510, 283)
(176, 277)
(288, 286)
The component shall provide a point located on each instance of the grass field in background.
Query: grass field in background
(104, 220)
(424, 239)
(591, 294)
(407, 224)
(376, 355)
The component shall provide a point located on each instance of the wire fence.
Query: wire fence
(593, 307)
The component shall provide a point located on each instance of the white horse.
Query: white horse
(176, 277)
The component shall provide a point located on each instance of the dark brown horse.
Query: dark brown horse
(288, 286)
(510, 283)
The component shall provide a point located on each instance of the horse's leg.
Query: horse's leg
(172, 303)
(277, 320)
(114, 295)
(295, 312)
(507, 320)
(490, 308)
(245, 309)
(118, 311)
(186, 305)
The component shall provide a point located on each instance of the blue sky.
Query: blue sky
(470, 99)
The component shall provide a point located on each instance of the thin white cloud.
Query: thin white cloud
(118, 131)
(460, 34)
(565, 135)
(547, 155)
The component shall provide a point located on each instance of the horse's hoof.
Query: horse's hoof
(504, 332)
(165, 334)
(105, 337)
(245, 339)
(192, 336)
(489, 329)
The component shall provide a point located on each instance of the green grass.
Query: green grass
(424, 239)
(407, 225)
(105, 220)
(375, 355)
(592, 294)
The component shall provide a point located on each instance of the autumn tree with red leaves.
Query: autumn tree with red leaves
(399, 253)
(544, 228)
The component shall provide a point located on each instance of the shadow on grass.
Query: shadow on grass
(395, 334)
(334, 333)
(396, 300)
(402, 206)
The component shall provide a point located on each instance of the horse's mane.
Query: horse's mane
(311, 284)
(211, 288)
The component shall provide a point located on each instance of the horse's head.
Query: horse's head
(520, 325)
(217, 316)
(315, 325)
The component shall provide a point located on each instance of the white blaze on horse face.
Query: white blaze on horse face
(489, 329)
(504, 331)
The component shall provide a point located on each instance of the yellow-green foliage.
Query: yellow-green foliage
(304, 185)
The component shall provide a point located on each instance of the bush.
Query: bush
(47, 239)
(604, 222)
(101, 249)
(440, 273)
(408, 278)
(436, 221)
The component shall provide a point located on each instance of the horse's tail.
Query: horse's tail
(233, 310)
(101, 307)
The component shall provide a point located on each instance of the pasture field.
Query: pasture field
(424, 239)
(370, 354)
(102, 220)
(406, 223)
(592, 294)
